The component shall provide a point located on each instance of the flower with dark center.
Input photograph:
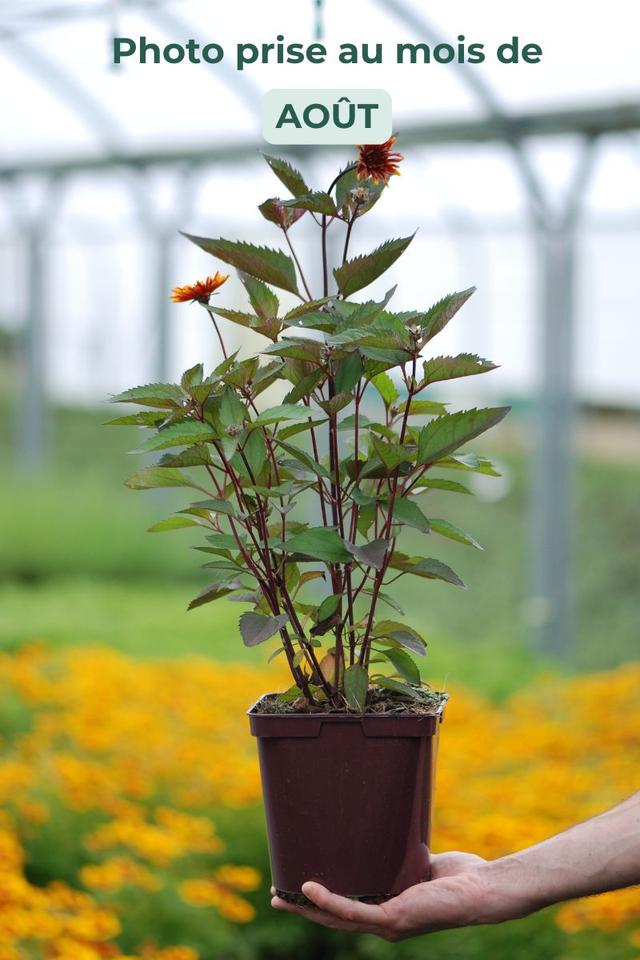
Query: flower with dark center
(378, 162)
(200, 291)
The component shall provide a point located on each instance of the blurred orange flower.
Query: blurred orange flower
(201, 290)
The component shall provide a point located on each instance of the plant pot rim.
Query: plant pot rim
(286, 725)
(350, 717)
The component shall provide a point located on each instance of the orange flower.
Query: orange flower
(201, 290)
(378, 162)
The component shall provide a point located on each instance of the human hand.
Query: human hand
(457, 895)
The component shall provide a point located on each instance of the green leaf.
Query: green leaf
(386, 388)
(288, 175)
(214, 591)
(305, 386)
(398, 687)
(408, 512)
(196, 456)
(445, 434)
(391, 454)
(348, 372)
(216, 506)
(173, 523)
(304, 459)
(451, 368)
(428, 568)
(311, 306)
(256, 628)
(403, 663)
(180, 435)
(255, 452)
(336, 403)
(149, 478)
(316, 201)
(284, 411)
(356, 683)
(423, 408)
(328, 607)
(262, 299)
(402, 634)
(469, 462)
(436, 483)
(318, 543)
(372, 553)
(360, 272)
(192, 376)
(145, 418)
(438, 316)
(263, 263)
(297, 428)
(162, 395)
(446, 529)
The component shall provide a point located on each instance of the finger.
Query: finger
(320, 917)
(353, 911)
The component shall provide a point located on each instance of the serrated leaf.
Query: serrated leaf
(192, 376)
(262, 299)
(426, 567)
(419, 408)
(336, 403)
(438, 316)
(401, 633)
(469, 462)
(356, 684)
(216, 506)
(305, 386)
(145, 418)
(386, 388)
(398, 687)
(318, 543)
(360, 272)
(214, 592)
(288, 432)
(302, 457)
(445, 434)
(283, 411)
(391, 454)
(436, 483)
(446, 529)
(372, 553)
(452, 368)
(196, 456)
(148, 478)
(311, 306)
(408, 512)
(403, 664)
(316, 201)
(255, 452)
(173, 523)
(162, 395)
(288, 175)
(256, 628)
(348, 372)
(263, 263)
(180, 435)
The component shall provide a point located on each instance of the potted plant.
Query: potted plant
(303, 506)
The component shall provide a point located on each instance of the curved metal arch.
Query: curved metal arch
(92, 113)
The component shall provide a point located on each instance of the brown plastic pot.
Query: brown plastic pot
(348, 799)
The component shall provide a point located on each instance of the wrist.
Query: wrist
(509, 890)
